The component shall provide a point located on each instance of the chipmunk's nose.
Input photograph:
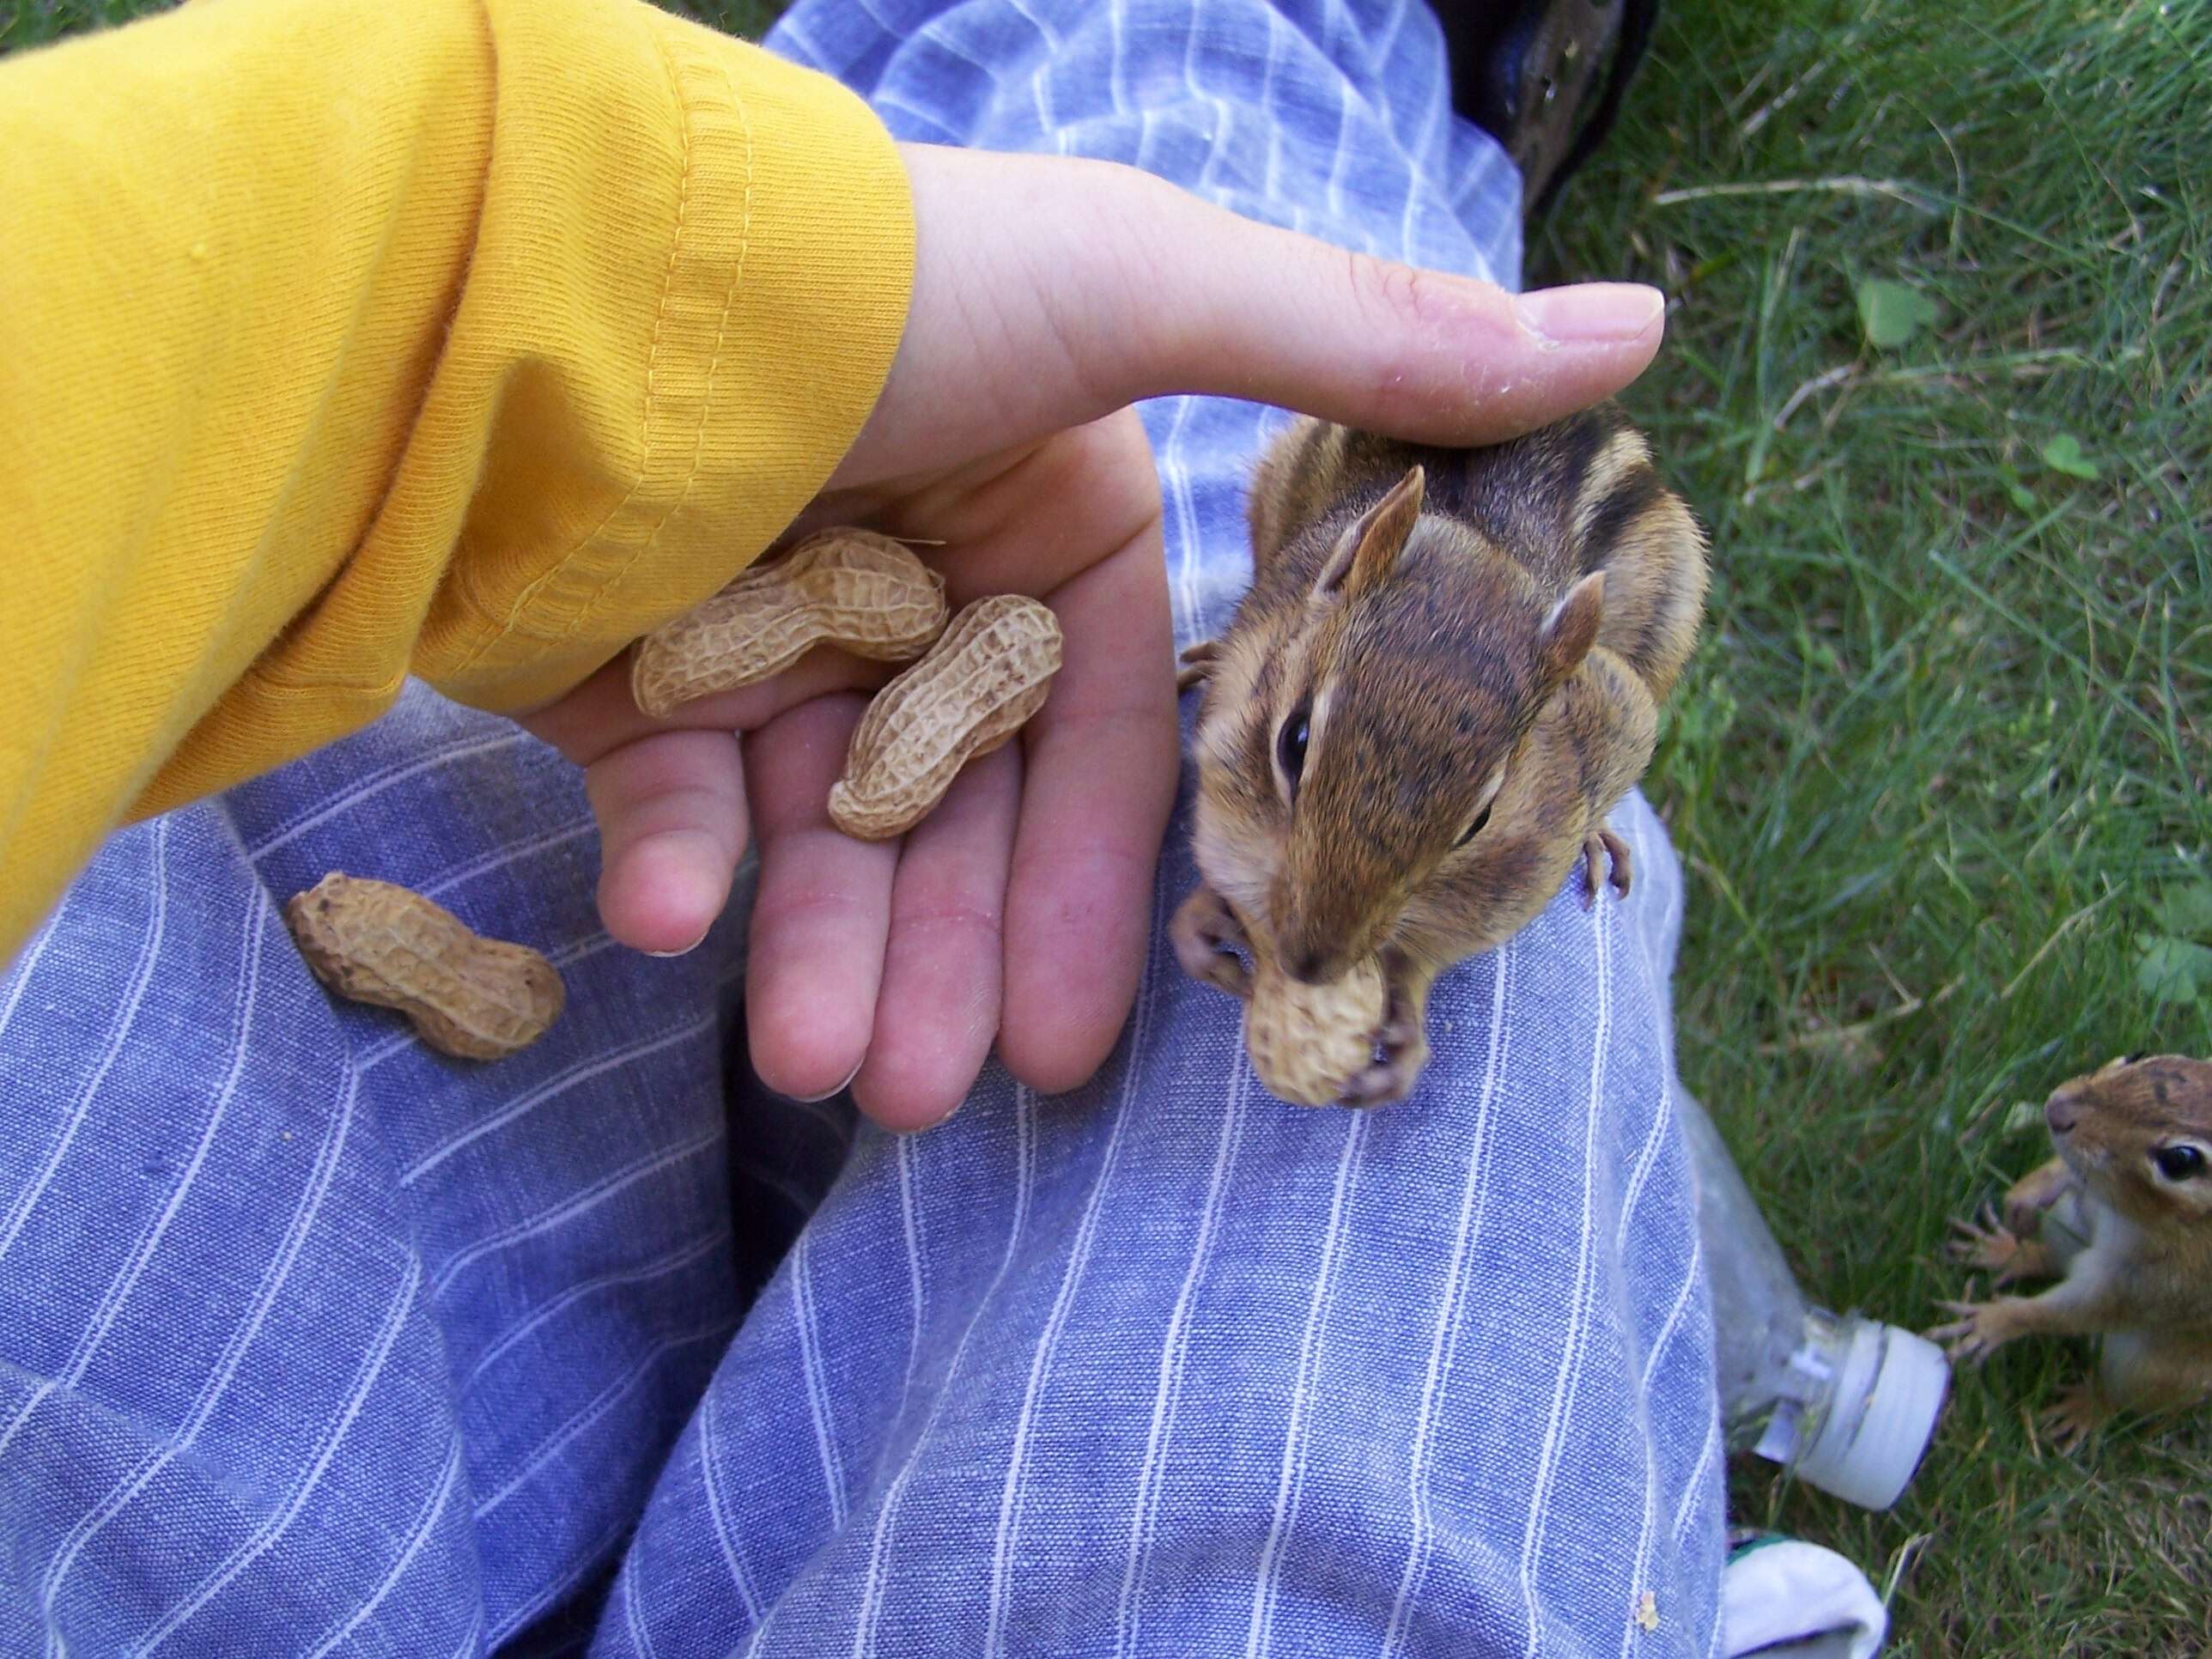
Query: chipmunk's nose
(1313, 967)
(2058, 1111)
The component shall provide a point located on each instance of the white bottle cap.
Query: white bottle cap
(1880, 1416)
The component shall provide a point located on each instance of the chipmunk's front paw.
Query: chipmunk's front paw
(1987, 1243)
(2033, 1196)
(1197, 662)
(2072, 1420)
(1981, 1330)
(1402, 1048)
(1392, 1078)
(1207, 936)
(1602, 843)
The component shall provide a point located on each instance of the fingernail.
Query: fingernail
(835, 1089)
(681, 950)
(1592, 313)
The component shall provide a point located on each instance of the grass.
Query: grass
(1946, 745)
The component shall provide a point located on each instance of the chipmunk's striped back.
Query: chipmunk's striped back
(1578, 495)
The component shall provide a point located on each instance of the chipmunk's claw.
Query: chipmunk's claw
(2072, 1420)
(1197, 662)
(1987, 1243)
(1404, 1050)
(1207, 935)
(1385, 1081)
(1978, 1332)
(1602, 843)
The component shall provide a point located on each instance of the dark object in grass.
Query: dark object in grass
(1544, 77)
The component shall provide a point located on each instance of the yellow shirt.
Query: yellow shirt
(343, 340)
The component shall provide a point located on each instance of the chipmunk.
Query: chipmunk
(1446, 670)
(2122, 1218)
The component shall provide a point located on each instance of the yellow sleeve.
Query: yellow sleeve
(343, 340)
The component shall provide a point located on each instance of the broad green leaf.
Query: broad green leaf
(2186, 912)
(2063, 454)
(1893, 312)
(2174, 969)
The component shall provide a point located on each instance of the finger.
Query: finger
(671, 814)
(817, 950)
(600, 715)
(939, 1007)
(1101, 763)
(1107, 285)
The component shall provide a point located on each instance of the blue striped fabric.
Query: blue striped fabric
(312, 1342)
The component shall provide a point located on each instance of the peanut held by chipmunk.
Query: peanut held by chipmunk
(1446, 672)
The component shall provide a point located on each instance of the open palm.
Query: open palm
(1050, 294)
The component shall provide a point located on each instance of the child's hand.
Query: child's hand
(1048, 295)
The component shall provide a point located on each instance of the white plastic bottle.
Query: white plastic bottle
(1847, 1402)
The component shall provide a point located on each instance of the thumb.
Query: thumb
(1049, 291)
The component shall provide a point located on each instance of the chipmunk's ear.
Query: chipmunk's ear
(1367, 553)
(1571, 629)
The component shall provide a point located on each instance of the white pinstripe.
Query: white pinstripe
(149, 1238)
(1167, 1390)
(632, 1615)
(1086, 1235)
(591, 945)
(1675, 1309)
(1438, 101)
(376, 782)
(19, 1213)
(468, 1648)
(810, 1368)
(1187, 541)
(1649, 1526)
(1707, 1452)
(587, 1559)
(1443, 1345)
(507, 855)
(718, 1518)
(1218, 140)
(1289, 1480)
(1647, 1155)
(19, 975)
(1117, 95)
(426, 1522)
(802, 1203)
(576, 1203)
(872, 1587)
(839, 1125)
(264, 1535)
(916, 1277)
(96, 1519)
(660, 1268)
(596, 1408)
(1564, 1384)
(892, 101)
(553, 1088)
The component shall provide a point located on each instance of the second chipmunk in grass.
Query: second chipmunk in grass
(1446, 672)
(2121, 1219)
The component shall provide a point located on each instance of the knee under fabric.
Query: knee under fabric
(314, 1341)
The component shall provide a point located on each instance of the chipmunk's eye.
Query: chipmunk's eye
(1473, 829)
(1290, 746)
(2179, 1163)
